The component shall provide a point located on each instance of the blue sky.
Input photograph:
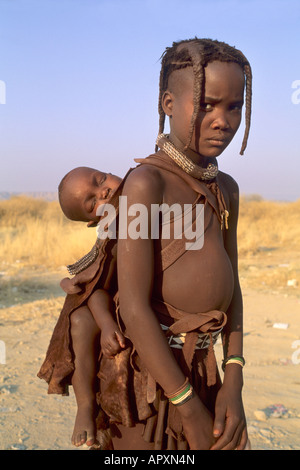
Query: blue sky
(81, 86)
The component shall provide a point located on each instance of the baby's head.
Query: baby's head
(83, 190)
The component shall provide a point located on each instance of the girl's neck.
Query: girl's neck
(206, 173)
(196, 157)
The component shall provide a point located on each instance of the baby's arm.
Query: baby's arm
(101, 306)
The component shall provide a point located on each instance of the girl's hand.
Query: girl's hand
(229, 426)
(197, 424)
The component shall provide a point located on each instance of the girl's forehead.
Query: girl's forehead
(224, 76)
(219, 68)
(215, 73)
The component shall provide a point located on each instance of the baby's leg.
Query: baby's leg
(85, 342)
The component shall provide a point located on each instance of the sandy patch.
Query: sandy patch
(31, 419)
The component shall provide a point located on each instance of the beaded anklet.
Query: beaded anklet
(182, 395)
(233, 360)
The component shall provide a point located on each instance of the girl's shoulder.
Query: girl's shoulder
(227, 181)
(144, 182)
(229, 188)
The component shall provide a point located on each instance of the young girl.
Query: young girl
(202, 86)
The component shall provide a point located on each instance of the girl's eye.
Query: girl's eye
(236, 108)
(206, 106)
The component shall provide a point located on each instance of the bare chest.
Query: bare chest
(196, 277)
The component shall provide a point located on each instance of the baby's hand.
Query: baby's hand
(112, 341)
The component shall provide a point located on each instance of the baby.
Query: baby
(81, 192)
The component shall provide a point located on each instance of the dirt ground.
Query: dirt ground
(30, 301)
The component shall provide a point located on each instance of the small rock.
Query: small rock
(292, 283)
(18, 447)
(5, 409)
(260, 415)
(281, 326)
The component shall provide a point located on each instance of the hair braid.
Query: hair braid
(198, 70)
(248, 73)
(197, 53)
(161, 90)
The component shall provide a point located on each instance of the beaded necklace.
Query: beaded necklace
(207, 175)
(204, 174)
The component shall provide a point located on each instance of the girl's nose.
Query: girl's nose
(220, 121)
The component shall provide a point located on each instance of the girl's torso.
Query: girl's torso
(201, 279)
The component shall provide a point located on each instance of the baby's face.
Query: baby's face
(85, 190)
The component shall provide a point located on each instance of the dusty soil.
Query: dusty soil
(30, 301)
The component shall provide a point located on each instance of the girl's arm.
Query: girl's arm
(135, 277)
(230, 423)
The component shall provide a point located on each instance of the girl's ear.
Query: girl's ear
(167, 103)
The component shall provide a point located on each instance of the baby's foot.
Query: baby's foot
(85, 427)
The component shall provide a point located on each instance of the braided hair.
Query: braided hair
(197, 53)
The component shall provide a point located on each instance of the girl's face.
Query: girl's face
(220, 111)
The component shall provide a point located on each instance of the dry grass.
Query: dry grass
(269, 245)
(268, 224)
(35, 232)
